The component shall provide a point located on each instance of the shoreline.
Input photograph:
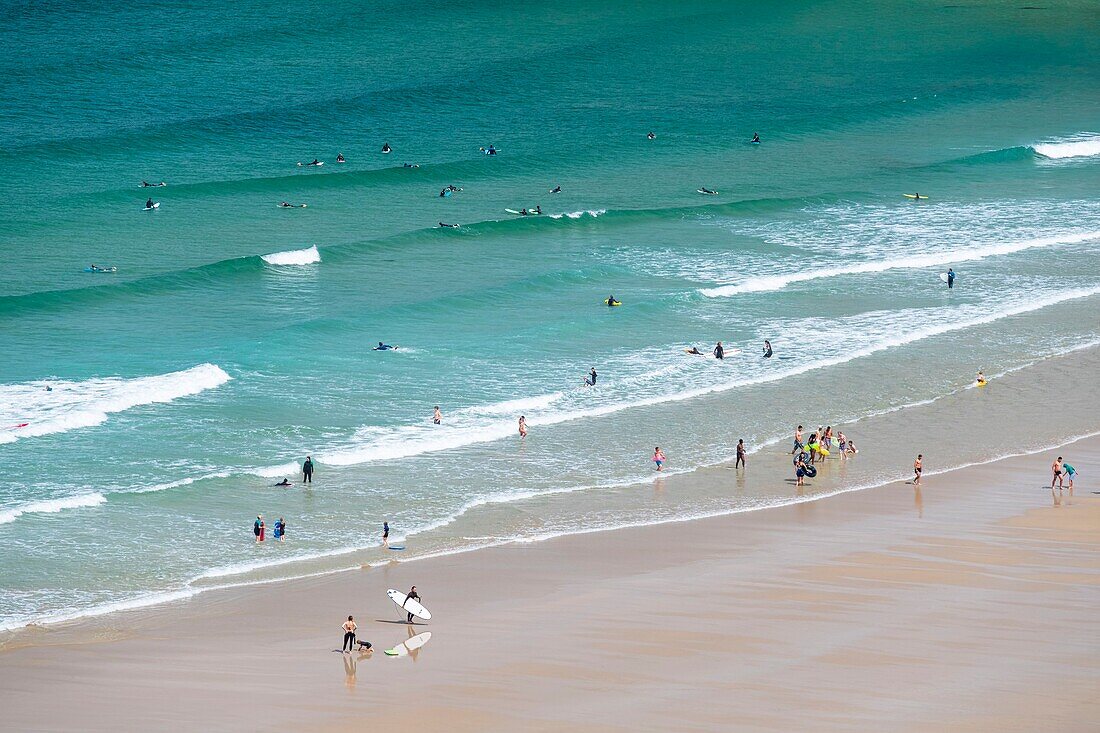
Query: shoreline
(488, 602)
(172, 597)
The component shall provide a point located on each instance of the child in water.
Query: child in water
(658, 458)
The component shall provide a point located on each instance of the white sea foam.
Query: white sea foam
(578, 214)
(306, 256)
(938, 259)
(475, 425)
(51, 506)
(1084, 145)
(73, 405)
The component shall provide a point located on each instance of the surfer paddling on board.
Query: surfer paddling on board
(412, 596)
(755, 137)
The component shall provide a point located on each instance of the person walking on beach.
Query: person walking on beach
(918, 468)
(719, 352)
(659, 458)
(522, 426)
(385, 534)
(258, 528)
(797, 441)
(740, 453)
(307, 470)
(349, 635)
(412, 596)
(1056, 467)
(437, 416)
(280, 529)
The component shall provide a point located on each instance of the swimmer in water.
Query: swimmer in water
(284, 482)
(522, 426)
(694, 350)
(437, 416)
(611, 301)
(767, 349)
(384, 347)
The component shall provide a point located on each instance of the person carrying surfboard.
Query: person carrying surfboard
(950, 278)
(412, 595)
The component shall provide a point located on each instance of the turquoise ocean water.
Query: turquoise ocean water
(235, 337)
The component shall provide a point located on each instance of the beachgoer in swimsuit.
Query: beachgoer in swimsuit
(349, 634)
(740, 462)
(437, 416)
(522, 426)
(1056, 467)
(659, 458)
(918, 469)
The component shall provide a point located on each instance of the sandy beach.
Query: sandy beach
(966, 605)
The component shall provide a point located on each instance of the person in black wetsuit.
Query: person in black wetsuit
(756, 137)
(307, 470)
(412, 596)
(719, 352)
(950, 278)
(149, 204)
(767, 349)
(611, 301)
(590, 380)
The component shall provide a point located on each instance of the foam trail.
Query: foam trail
(73, 405)
(379, 444)
(778, 282)
(306, 256)
(1085, 145)
(51, 506)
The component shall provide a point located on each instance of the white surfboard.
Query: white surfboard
(943, 276)
(156, 205)
(412, 607)
(410, 645)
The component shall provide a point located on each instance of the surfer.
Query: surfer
(756, 137)
(315, 162)
(349, 634)
(524, 212)
(767, 349)
(651, 136)
(918, 469)
(950, 278)
(386, 147)
(410, 165)
(149, 204)
(916, 195)
(740, 453)
(443, 192)
(384, 347)
(694, 350)
(590, 380)
(307, 470)
(659, 458)
(284, 482)
(611, 301)
(719, 352)
(704, 189)
(340, 158)
(412, 596)
(538, 209)
(522, 426)
(556, 189)
(437, 416)
(448, 226)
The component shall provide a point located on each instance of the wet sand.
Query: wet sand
(967, 605)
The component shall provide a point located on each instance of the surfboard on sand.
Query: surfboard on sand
(412, 607)
(409, 645)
